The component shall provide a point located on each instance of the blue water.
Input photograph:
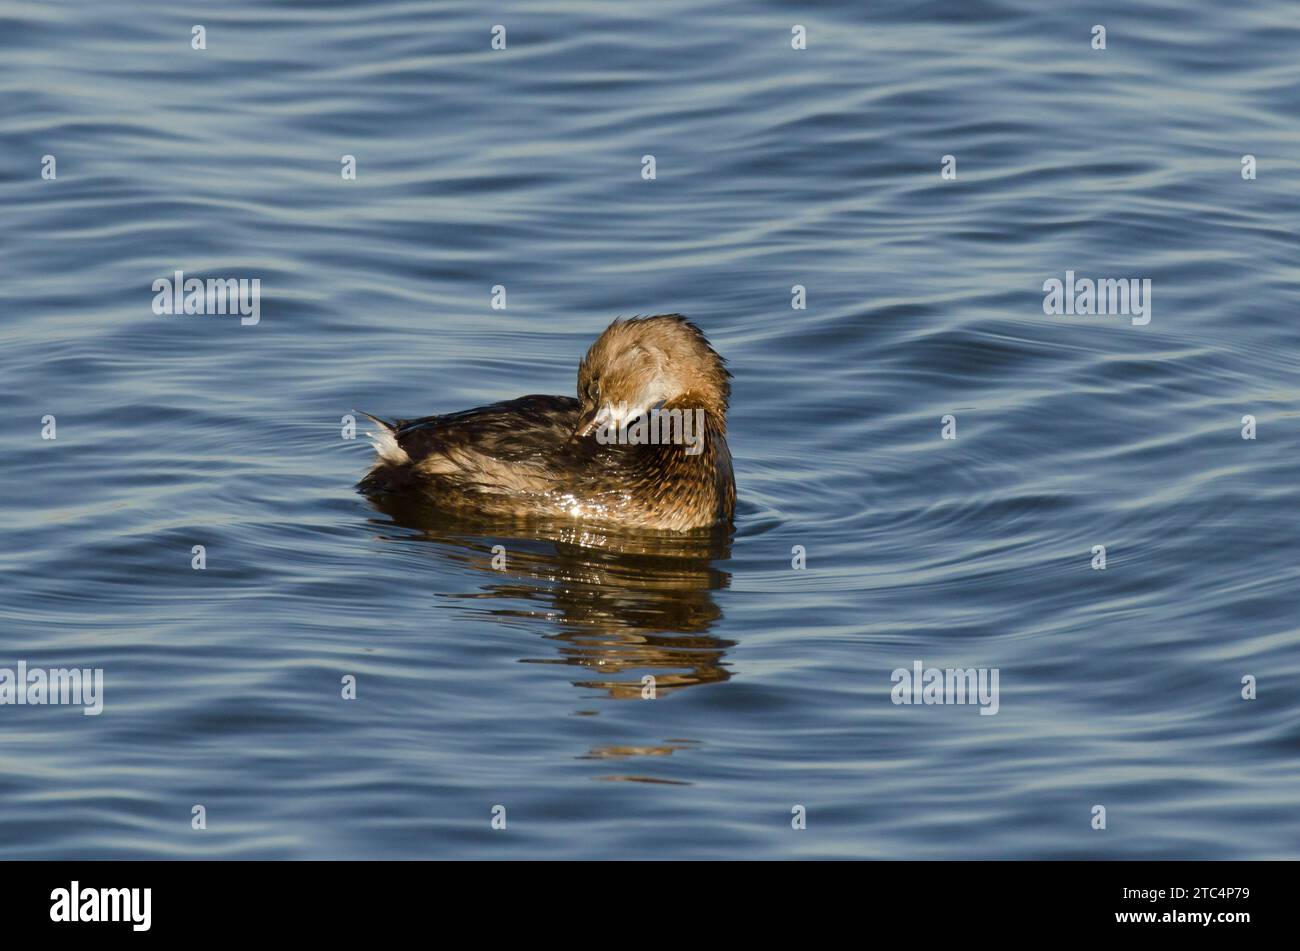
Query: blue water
(521, 687)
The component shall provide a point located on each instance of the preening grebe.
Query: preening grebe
(644, 444)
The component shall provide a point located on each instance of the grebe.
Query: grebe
(644, 444)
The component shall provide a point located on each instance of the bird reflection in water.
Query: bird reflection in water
(624, 604)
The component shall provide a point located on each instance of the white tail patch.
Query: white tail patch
(386, 446)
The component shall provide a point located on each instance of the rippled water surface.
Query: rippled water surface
(774, 167)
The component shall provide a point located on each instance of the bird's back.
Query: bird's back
(519, 457)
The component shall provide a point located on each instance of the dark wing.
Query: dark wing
(528, 429)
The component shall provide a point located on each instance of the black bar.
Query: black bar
(330, 900)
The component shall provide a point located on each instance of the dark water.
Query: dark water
(521, 687)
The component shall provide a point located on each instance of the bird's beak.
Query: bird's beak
(590, 421)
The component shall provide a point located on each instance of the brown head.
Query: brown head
(639, 364)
